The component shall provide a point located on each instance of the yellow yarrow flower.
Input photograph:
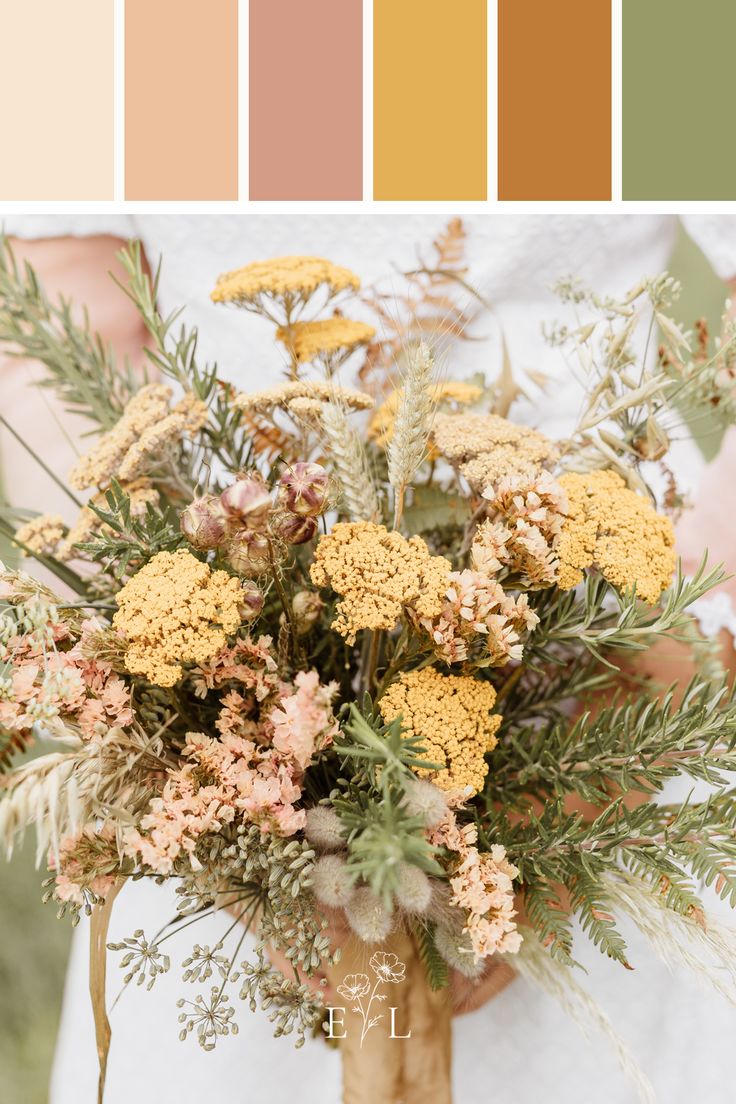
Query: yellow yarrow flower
(297, 277)
(176, 610)
(486, 448)
(451, 714)
(308, 340)
(377, 574)
(614, 528)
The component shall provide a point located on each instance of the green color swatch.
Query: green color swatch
(678, 59)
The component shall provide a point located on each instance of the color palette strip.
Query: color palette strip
(554, 99)
(57, 100)
(181, 99)
(306, 99)
(177, 67)
(677, 100)
(429, 99)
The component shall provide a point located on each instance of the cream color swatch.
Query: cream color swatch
(56, 100)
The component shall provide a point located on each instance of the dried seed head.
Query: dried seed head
(424, 799)
(204, 523)
(367, 915)
(457, 951)
(252, 601)
(414, 889)
(247, 502)
(248, 552)
(324, 828)
(307, 607)
(304, 489)
(295, 528)
(331, 883)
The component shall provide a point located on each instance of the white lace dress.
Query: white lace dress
(519, 1048)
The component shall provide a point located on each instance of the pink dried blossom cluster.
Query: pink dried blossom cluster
(479, 620)
(482, 886)
(81, 855)
(249, 663)
(50, 686)
(252, 773)
(525, 520)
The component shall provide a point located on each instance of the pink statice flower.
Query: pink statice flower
(61, 689)
(251, 772)
(482, 887)
(303, 722)
(86, 861)
(248, 663)
(479, 621)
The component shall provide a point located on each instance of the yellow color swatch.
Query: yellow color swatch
(56, 100)
(429, 99)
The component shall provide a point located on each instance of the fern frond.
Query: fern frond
(434, 963)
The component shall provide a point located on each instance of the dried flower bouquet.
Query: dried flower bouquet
(322, 648)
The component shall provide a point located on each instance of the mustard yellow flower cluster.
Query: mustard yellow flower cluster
(42, 535)
(308, 340)
(377, 573)
(146, 427)
(298, 277)
(616, 529)
(485, 448)
(452, 716)
(450, 393)
(176, 610)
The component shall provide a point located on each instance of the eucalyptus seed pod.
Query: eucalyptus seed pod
(295, 528)
(247, 502)
(248, 552)
(304, 489)
(203, 523)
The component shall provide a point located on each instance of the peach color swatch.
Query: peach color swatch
(306, 99)
(429, 99)
(554, 99)
(56, 100)
(181, 99)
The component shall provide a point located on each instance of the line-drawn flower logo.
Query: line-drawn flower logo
(388, 970)
(387, 967)
(354, 987)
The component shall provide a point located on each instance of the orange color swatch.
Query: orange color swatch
(56, 100)
(181, 99)
(306, 99)
(554, 99)
(430, 99)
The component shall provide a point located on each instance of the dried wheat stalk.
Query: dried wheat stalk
(350, 464)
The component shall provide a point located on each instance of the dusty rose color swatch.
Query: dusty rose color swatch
(181, 99)
(306, 99)
(56, 100)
